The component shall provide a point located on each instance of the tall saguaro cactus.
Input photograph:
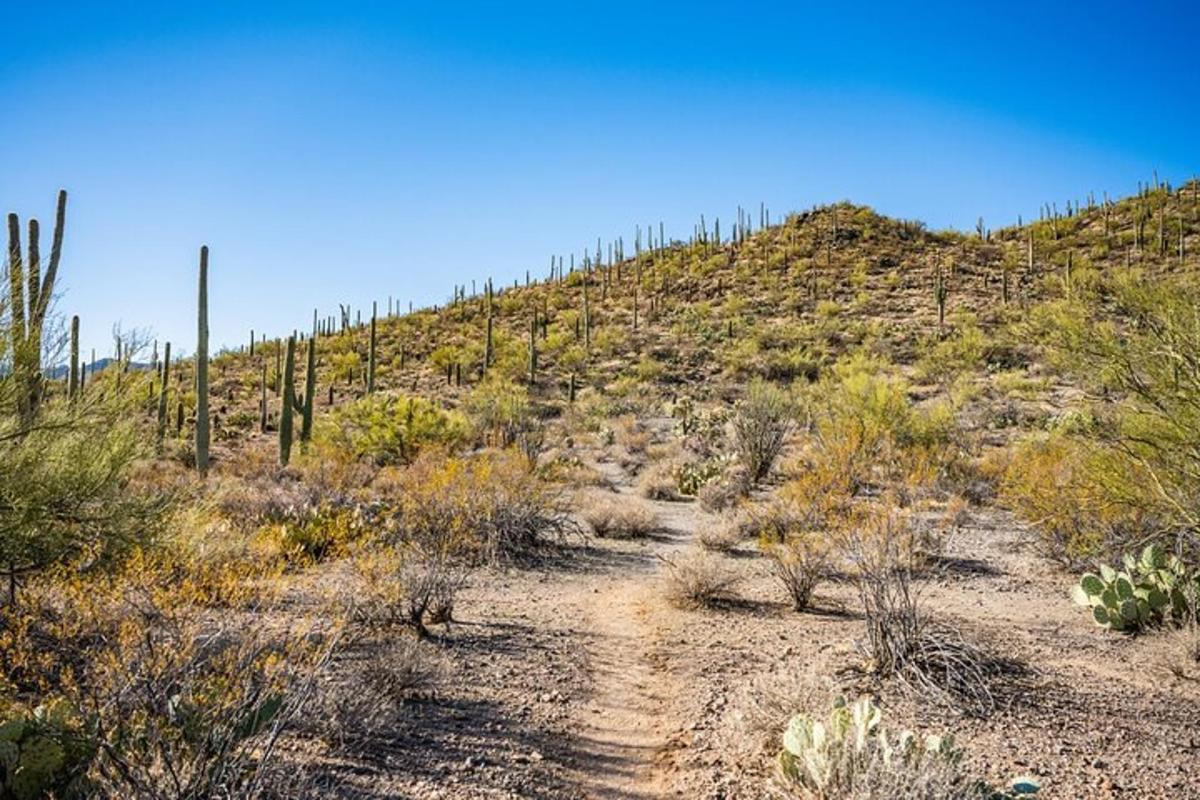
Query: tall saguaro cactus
(29, 300)
(202, 427)
(292, 404)
(73, 375)
(370, 354)
(163, 392)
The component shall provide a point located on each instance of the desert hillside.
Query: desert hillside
(629, 526)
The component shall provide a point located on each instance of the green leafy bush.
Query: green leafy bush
(387, 429)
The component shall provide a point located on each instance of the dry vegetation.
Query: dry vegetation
(840, 442)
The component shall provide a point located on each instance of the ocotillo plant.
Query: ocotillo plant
(73, 375)
(202, 429)
(162, 393)
(27, 309)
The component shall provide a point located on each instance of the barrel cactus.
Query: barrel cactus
(1147, 590)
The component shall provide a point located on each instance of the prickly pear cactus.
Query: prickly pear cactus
(819, 758)
(42, 753)
(1149, 588)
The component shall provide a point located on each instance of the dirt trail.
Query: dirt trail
(627, 727)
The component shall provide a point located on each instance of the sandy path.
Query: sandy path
(628, 726)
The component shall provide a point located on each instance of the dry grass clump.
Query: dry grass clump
(698, 580)
(724, 492)
(763, 706)
(611, 518)
(724, 537)
(1182, 656)
(660, 482)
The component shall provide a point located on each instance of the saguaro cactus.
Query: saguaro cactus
(939, 291)
(73, 375)
(163, 392)
(533, 349)
(202, 425)
(292, 404)
(29, 299)
(370, 354)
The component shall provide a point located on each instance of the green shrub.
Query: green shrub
(387, 429)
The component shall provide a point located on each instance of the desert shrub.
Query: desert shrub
(851, 757)
(405, 587)
(659, 482)
(488, 507)
(1055, 483)
(386, 429)
(367, 691)
(68, 487)
(902, 640)
(172, 704)
(866, 431)
(945, 358)
(725, 491)
(698, 580)
(798, 564)
(499, 410)
(616, 519)
(760, 427)
(1137, 352)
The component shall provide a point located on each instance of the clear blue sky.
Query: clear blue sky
(344, 151)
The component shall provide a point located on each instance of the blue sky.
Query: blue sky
(342, 152)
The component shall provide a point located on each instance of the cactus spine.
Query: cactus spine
(202, 424)
(73, 375)
(29, 300)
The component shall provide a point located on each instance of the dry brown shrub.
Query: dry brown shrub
(698, 580)
(613, 518)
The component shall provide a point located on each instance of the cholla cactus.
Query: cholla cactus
(1142, 594)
